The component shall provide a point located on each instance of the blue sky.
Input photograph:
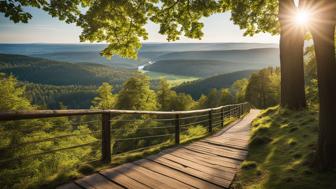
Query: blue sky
(45, 29)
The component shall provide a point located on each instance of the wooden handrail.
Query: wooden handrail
(238, 110)
(19, 115)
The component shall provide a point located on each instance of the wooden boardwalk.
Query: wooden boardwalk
(208, 163)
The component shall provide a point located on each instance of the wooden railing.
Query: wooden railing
(174, 122)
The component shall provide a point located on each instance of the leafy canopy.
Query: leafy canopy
(137, 95)
(121, 23)
(12, 95)
(105, 99)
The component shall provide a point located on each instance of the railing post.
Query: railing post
(106, 137)
(222, 116)
(210, 121)
(240, 110)
(177, 129)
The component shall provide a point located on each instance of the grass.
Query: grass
(281, 152)
(173, 80)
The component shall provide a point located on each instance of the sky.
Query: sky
(42, 28)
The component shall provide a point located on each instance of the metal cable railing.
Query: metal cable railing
(147, 128)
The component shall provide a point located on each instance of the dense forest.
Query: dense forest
(203, 86)
(56, 97)
(44, 71)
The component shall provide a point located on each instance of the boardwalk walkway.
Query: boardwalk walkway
(208, 163)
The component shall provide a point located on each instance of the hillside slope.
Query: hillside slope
(43, 71)
(281, 152)
(210, 63)
(203, 86)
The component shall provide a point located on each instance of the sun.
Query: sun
(302, 17)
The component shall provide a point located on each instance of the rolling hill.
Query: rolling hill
(83, 53)
(210, 63)
(51, 83)
(203, 86)
(43, 71)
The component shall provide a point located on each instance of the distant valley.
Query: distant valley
(60, 73)
(90, 53)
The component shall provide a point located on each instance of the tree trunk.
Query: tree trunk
(291, 58)
(323, 35)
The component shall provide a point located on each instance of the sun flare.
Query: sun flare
(302, 17)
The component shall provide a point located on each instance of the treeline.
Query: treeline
(58, 97)
(262, 88)
(203, 86)
(136, 94)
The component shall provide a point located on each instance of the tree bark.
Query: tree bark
(291, 58)
(323, 32)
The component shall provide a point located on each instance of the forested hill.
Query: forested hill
(149, 52)
(51, 84)
(210, 63)
(203, 86)
(44, 71)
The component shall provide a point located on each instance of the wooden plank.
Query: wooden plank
(97, 181)
(70, 185)
(219, 152)
(229, 137)
(226, 141)
(123, 179)
(213, 159)
(243, 137)
(193, 172)
(219, 148)
(236, 146)
(203, 162)
(132, 171)
(177, 175)
(233, 144)
(216, 172)
(167, 180)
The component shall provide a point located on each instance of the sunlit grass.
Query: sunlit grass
(281, 152)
